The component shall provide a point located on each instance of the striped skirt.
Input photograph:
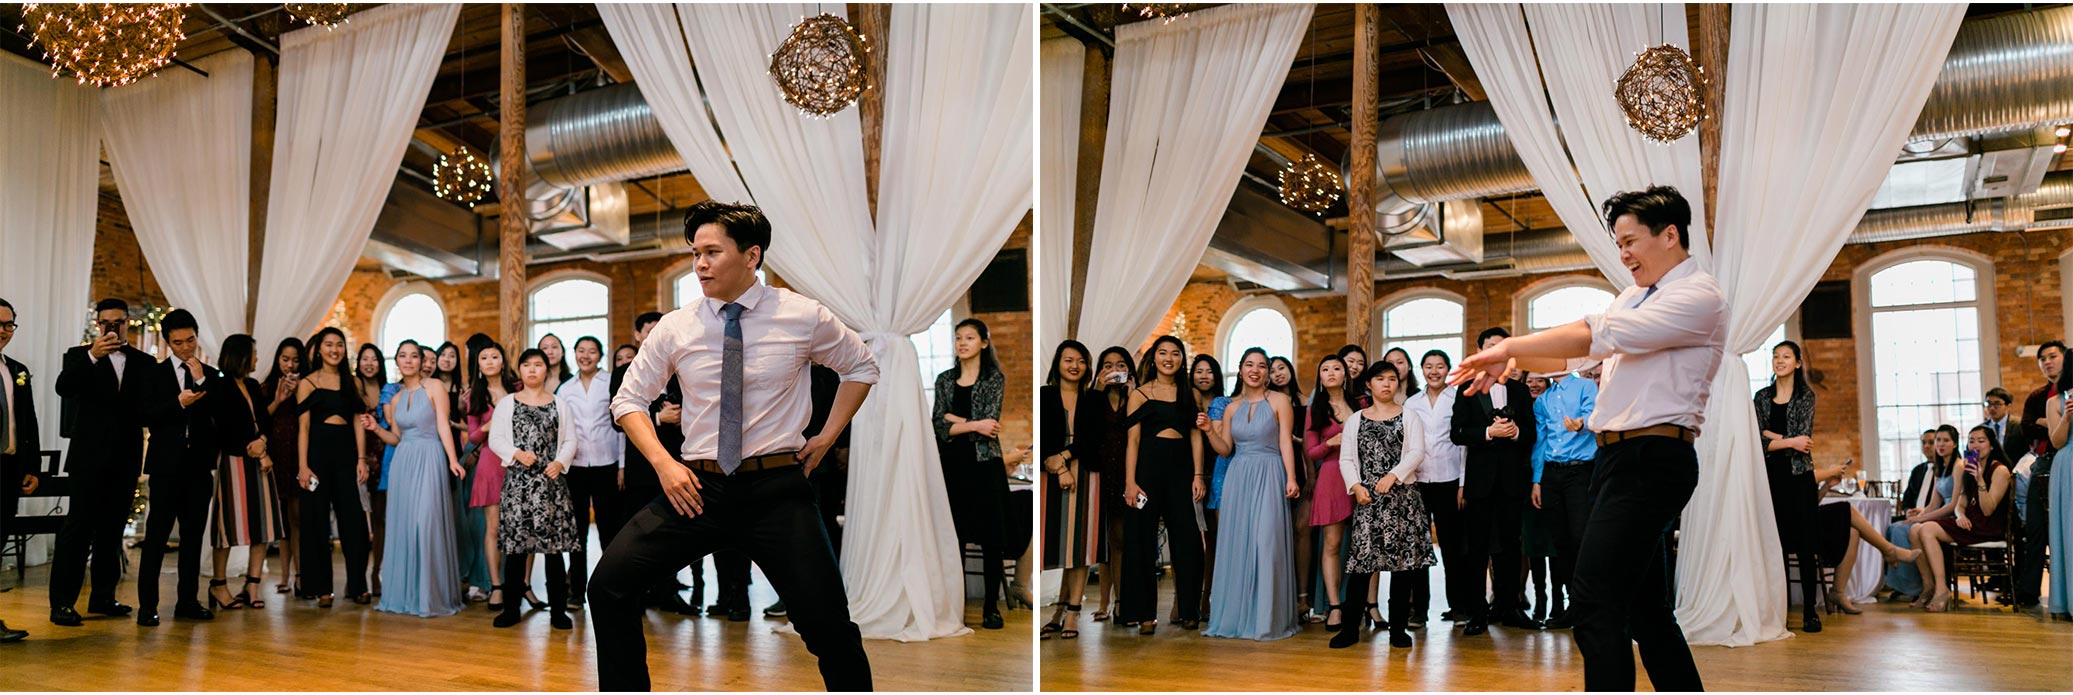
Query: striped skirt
(1073, 534)
(248, 508)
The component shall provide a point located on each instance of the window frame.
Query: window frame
(666, 281)
(1867, 368)
(1239, 310)
(388, 303)
(1522, 301)
(1378, 342)
(533, 287)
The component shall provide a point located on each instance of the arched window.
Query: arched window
(684, 287)
(1255, 322)
(570, 306)
(1564, 304)
(409, 312)
(1929, 335)
(1421, 323)
(938, 350)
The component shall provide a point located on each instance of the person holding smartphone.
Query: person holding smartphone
(1113, 384)
(1162, 481)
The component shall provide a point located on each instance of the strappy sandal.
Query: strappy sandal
(1056, 624)
(1106, 612)
(235, 602)
(1071, 611)
(1330, 626)
(281, 588)
(325, 601)
(250, 598)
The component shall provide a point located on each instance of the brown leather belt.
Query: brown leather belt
(765, 462)
(1679, 432)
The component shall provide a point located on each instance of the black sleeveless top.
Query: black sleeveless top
(323, 403)
(1159, 416)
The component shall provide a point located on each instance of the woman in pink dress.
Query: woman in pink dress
(479, 407)
(1330, 504)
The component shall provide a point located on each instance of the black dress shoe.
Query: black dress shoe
(993, 621)
(147, 618)
(505, 618)
(1519, 620)
(115, 609)
(65, 616)
(561, 622)
(1476, 626)
(1810, 623)
(738, 614)
(10, 635)
(193, 611)
(1450, 615)
(1560, 622)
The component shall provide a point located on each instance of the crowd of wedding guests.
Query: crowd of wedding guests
(1306, 497)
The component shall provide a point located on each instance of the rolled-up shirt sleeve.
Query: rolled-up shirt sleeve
(1683, 315)
(836, 347)
(648, 374)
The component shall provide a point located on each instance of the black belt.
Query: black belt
(1560, 464)
(1678, 432)
(765, 462)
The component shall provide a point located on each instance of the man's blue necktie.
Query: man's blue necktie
(730, 391)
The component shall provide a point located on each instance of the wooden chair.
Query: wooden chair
(1980, 562)
(1824, 578)
(20, 529)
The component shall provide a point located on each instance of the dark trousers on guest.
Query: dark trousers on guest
(1167, 477)
(100, 509)
(1565, 491)
(1622, 586)
(591, 488)
(1446, 524)
(331, 461)
(1491, 527)
(831, 483)
(179, 496)
(2033, 536)
(1793, 499)
(731, 568)
(771, 517)
(517, 582)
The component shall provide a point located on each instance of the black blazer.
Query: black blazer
(672, 436)
(180, 437)
(1087, 423)
(105, 420)
(28, 444)
(1501, 467)
(1915, 481)
(232, 413)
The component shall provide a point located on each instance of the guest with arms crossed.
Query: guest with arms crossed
(181, 463)
(1661, 341)
(741, 353)
(1785, 414)
(20, 448)
(968, 427)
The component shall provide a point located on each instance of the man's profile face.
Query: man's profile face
(724, 268)
(183, 341)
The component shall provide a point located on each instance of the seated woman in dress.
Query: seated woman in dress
(1930, 499)
(1982, 513)
(1839, 527)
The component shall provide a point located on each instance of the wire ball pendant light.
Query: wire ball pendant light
(324, 14)
(460, 176)
(1308, 184)
(106, 44)
(821, 67)
(1663, 94)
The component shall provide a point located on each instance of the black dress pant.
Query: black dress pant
(179, 496)
(1793, 499)
(2034, 535)
(1565, 505)
(1166, 473)
(641, 489)
(731, 568)
(1622, 590)
(517, 581)
(101, 499)
(768, 515)
(978, 506)
(831, 483)
(1446, 520)
(332, 462)
(1491, 527)
(591, 488)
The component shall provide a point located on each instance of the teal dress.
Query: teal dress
(422, 566)
(1903, 577)
(1223, 463)
(2060, 585)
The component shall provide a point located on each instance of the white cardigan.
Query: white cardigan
(1349, 450)
(500, 432)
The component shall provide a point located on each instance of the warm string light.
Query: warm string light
(1662, 94)
(1167, 11)
(461, 177)
(820, 68)
(1309, 185)
(106, 44)
(324, 14)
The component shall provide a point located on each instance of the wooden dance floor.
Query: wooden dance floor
(294, 646)
(1889, 647)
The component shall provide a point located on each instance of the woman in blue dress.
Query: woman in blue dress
(2060, 585)
(423, 574)
(1208, 378)
(1255, 596)
(1936, 501)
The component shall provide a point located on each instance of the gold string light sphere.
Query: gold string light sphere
(324, 14)
(461, 177)
(1662, 94)
(106, 44)
(820, 68)
(1309, 185)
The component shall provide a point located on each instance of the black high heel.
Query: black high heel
(251, 598)
(218, 604)
(1349, 633)
(493, 604)
(534, 603)
(1330, 626)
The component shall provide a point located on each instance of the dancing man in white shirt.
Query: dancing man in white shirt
(1661, 342)
(741, 354)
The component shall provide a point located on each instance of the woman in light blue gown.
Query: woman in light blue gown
(422, 574)
(2059, 586)
(1904, 578)
(1254, 592)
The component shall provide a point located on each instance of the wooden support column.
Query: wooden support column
(1360, 161)
(1094, 90)
(511, 218)
(1710, 49)
(266, 84)
(874, 21)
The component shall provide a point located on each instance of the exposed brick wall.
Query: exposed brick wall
(119, 267)
(1014, 345)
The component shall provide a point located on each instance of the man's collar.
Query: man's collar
(749, 300)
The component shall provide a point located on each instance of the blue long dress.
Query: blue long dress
(1222, 463)
(1903, 577)
(1254, 595)
(422, 570)
(2060, 586)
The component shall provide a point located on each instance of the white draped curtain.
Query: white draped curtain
(349, 99)
(181, 147)
(651, 38)
(955, 180)
(1187, 102)
(1064, 69)
(1819, 100)
(1569, 55)
(50, 136)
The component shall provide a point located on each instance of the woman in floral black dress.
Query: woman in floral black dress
(535, 436)
(1390, 530)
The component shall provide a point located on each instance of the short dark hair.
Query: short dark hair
(2050, 344)
(1498, 331)
(645, 320)
(745, 224)
(176, 320)
(239, 356)
(1375, 371)
(1659, 207)
(111, 304)
(2001, 393)
(5, 305)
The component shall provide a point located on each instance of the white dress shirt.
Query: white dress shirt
(115, 359)
(1444, 459)
(597, 444)
(501, 440)
(783, 333)
(7, 397)
(1406, 463)
(1660, 356)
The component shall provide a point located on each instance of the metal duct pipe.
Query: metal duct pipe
(596, 136)
(1921, 222)
(2010, 72)
(1448, 153)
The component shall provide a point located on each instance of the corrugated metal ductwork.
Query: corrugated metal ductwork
(2010, 72)
(602, 135)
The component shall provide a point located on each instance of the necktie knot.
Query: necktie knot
(732, 311)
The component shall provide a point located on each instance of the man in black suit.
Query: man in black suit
(638, 484)
(20, 448)
(1497, 428)
(180, 462)
(106, 387)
